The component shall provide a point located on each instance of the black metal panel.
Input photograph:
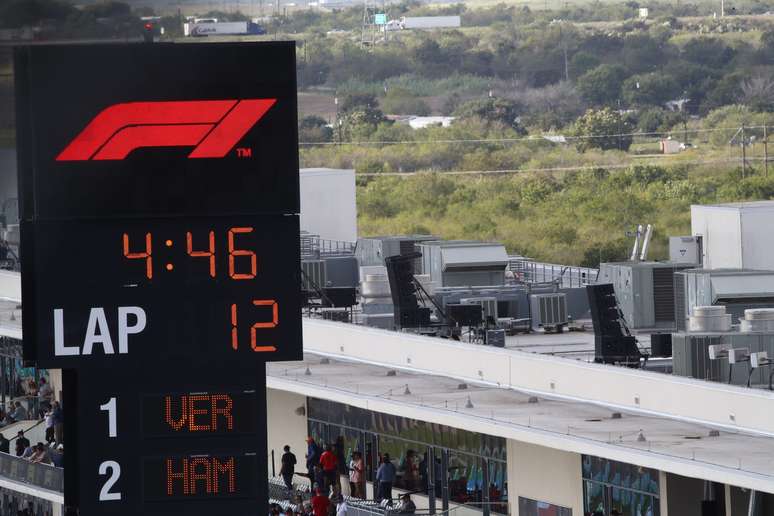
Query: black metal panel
(663, 294)
(680, 301)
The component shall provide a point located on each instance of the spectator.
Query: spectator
(58, 415)
(308, 511)
(356, 477)
(5, 444)
(312, 457)
(385, 476)
(289, 511)
(22, 443)
(45, 395)
(319, 479)
(406, 506)
(329, 464)
(40, 454)
(57, 458)
(341, 506)
(341, 465)
(19, 413)
(49, 418)
(288, 467)
(28, 451)
(320, 503)
(7, 419)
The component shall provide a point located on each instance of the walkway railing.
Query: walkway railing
(33, 474)
(530, 271)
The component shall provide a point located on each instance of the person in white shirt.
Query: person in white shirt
(341, 507)
(50, 433)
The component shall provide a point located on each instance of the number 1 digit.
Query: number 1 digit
(110, 408)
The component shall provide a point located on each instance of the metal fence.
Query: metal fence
(530, 271)
(314, 247)
(13, 503)
(300, 495)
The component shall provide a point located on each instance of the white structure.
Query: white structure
(430, 22)
(422, 122)
(328, 203)
(735, 235)
(669, 146)
(556, 417)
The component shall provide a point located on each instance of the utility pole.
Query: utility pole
(620, 128)
(765, 149)
(744, 152)
(564, 49)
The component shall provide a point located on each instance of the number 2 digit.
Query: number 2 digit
(105, 495)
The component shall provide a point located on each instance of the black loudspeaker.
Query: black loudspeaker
(710, 508)
(661, 345)
(340, 297)
(612, 341)
(465, 315)
(400, 273)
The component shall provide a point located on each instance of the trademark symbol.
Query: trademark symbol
(244, 152)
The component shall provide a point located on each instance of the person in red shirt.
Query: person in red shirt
(329, 464)
(320, 503)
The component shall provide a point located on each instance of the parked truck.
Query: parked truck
(221, 28)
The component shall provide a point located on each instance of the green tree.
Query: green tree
(20, 13)
(602, 85)
(710, 52)
(651, 89)
(314, 129)
(492, 110)
(582, 62)
(604, 129)
(361, 108)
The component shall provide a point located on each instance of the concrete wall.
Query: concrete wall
(544, 474)
(55, 378)
(628, 389)
(720, 229)
(286, 427)
(328, 203)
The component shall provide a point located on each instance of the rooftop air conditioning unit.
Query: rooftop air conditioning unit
(314, 272)
(488, 305)
(549, 311)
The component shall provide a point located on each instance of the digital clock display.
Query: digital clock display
(198, 414)
(198, 289)
(200, 477)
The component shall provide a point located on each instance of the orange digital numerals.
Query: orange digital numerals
(256, 326)
(203, 254)
(146, 255)
(200, 475)
(233, 253)
(200, 412)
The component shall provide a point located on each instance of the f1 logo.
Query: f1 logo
(212, 127)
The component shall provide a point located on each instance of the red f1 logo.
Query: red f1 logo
(213, 127)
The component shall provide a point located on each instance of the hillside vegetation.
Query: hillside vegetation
(573, 218)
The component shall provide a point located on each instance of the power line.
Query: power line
(547, 169)
(515, 140)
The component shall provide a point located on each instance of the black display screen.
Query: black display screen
(161, 265)
(196, 289)
(165, 129)
(200, 477)
(199, 414)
